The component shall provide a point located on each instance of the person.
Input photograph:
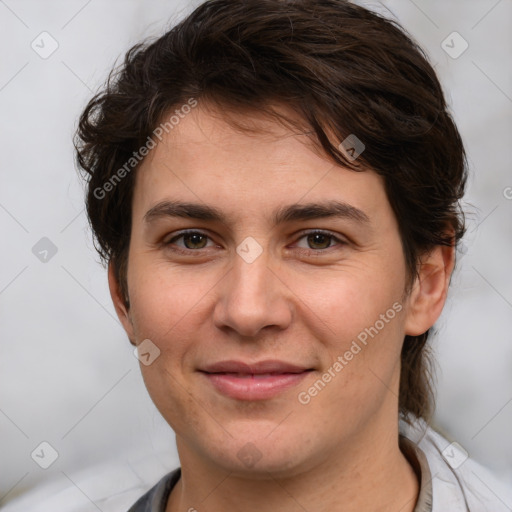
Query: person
(275, 186)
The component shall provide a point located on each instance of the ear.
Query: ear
(430, 289)
(122, 310)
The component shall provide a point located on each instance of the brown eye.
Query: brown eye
(195, 240)
(318, 241)
(192, 240)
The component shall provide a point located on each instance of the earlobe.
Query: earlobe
(430, 290)
(120, 305)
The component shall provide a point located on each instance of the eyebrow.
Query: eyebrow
(289, 213)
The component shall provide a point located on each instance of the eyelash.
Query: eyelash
(304, 234)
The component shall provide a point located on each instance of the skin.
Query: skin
(302, 300)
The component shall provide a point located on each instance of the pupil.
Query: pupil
(316, 236)
(194, 237)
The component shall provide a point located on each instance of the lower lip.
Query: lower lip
(253, 388)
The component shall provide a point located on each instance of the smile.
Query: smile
(247, 386)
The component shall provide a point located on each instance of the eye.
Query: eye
(192, 240)
(319, 241)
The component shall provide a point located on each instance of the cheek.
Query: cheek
(360, 374)
(162, 299)
(358, 317)
(169, 308)
(344, 302)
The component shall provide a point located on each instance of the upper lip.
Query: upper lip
(259, 367)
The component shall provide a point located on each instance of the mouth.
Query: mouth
(254, 381)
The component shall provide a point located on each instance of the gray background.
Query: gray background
(67, 372)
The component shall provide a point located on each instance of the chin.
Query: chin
(256, 456)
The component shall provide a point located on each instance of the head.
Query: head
(239, 102)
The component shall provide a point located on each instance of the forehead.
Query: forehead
(204, 158)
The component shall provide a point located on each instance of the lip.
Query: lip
(254, 381)
(259, 367)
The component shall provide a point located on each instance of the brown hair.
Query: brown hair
(342, 68)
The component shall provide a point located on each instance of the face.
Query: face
(255, 273)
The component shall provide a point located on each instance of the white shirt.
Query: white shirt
(458, 483)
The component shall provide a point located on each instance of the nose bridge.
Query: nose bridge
(252, 297)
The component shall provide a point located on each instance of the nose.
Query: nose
(253, 297)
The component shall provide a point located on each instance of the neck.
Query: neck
(369, 473)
